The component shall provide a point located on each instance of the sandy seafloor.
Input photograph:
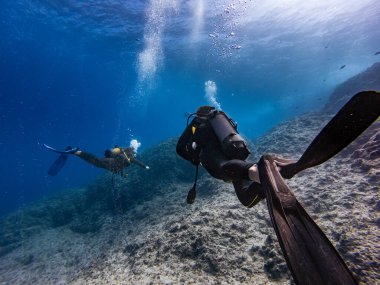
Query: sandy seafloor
(100, 235)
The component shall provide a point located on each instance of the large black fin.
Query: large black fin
(309, 254)
(362, 110)
(58, 164)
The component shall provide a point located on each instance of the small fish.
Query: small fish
(343, 66)
(376, 53)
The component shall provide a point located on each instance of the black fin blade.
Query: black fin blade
(58, 164)
(362, 110)
(309, 254)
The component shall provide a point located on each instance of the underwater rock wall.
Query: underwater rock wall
(366, 80)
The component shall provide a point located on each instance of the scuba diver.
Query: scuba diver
(114, 160)
(212, 140)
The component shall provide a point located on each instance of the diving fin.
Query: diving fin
(58, 164)
(68, 150)
(309, 254)
(352, 119)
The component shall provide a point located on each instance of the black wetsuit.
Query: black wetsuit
(114, 164)
(207, 150)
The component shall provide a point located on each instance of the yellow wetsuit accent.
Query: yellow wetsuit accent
(126, 156)
(253, 202)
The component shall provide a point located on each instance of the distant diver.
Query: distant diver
(114, 160)
(212, 140)
(343, 66)
(376, 53)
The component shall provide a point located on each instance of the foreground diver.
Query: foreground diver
(114, 160)
(212, 140)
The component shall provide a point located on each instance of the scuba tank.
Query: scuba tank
(225, 130)
(233, 145)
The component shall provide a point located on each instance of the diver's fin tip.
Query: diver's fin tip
(57, 165)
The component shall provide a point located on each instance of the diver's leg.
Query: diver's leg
(253, 173)
(249, 193)
(236, 169)
(310, 256)
(106, 163)
(213, 159)
(239, 169)
(354, 118)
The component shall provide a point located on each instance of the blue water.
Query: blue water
(97, 73)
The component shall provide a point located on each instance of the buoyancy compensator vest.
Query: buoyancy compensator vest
(185, 145)
(208, 119)
(224, 128)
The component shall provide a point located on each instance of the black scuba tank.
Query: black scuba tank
(233, 145)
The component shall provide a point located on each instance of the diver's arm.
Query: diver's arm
(239, 169)
(105, 163)
(249, 193)
(139, 163)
